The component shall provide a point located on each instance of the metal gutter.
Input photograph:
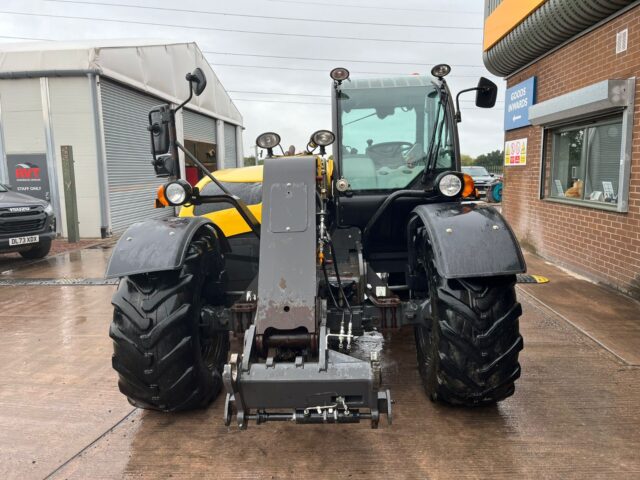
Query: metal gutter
(48, 73)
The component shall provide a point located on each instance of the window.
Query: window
(584, 162)
(386, 135)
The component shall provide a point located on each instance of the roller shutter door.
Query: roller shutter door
(198, 127)
(132, 181)
(230, 159)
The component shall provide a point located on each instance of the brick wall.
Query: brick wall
(602, 245)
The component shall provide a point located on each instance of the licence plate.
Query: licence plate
(24, 240)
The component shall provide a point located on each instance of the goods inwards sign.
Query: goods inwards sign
(517, 101)
(515, 152)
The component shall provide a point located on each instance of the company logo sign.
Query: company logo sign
(19, 209)
(518, 99)
(25, 171)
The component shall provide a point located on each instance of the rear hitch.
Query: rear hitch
(335, 389)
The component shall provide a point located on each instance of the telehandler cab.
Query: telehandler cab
(378, 237)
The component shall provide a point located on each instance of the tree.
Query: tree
(491, 159)
(249, 161)
(466, 160)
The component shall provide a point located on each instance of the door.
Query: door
(132, 181)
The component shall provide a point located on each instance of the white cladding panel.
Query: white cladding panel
(22, 118)
(72, 123)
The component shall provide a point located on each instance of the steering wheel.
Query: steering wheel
(382, 152)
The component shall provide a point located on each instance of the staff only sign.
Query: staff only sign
(518, 99)
(28, 174)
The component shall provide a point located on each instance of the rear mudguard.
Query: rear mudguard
(470, 240)
(158, 245)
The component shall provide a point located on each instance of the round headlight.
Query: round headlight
(339, 74)
(449, 185)
(177, 192)
(323, 138)
(268, 140)
(440, 70)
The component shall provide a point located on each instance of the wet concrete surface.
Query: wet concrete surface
(611, 319)
(574, 413)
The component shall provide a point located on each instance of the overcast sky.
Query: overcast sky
(424, 32)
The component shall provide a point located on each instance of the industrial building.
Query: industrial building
(95, 98)
(572, 136)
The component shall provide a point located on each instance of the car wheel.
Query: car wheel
(41, 250)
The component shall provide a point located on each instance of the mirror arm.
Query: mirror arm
(458, 113)
(187, 100)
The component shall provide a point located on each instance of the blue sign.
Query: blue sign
(517, 101)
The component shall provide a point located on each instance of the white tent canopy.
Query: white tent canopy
(148, 65)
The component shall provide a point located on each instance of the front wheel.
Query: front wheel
(468, 352)
(163, 359)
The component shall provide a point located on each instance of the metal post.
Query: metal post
(220, 164)
(51, 153)
(239, 147)
(70, 198)
(4, 173)
(101, 156)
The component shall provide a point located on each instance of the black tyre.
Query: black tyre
(494, 193)
(39, 251)
(468, 354)
(164, 362)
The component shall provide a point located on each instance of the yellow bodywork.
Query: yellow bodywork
(229, 220)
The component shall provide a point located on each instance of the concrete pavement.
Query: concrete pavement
(574, 413)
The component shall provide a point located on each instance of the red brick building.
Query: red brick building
(576, 201)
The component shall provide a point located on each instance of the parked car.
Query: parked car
(27, 224)
(487, 184)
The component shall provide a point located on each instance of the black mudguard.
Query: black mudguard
(470, 240)
(157, 245)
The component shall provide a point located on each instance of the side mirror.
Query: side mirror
(159, 119)
(198, 81)
(486, 93)
(164, 163)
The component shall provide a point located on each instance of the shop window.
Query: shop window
(583, 162)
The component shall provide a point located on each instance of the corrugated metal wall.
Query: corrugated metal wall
(230, 159)
(490, 6)
(132, 182)
(555, 22)
(198, 127)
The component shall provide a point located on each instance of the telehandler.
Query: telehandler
(330, 254)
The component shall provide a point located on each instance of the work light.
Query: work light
(449, 184)
(175, 193)
(441, 70)
(268, 140)
(323, 138)
(339, 74)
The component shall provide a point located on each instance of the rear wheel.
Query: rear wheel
(468, 351)
(41, 250)
(164, 362)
